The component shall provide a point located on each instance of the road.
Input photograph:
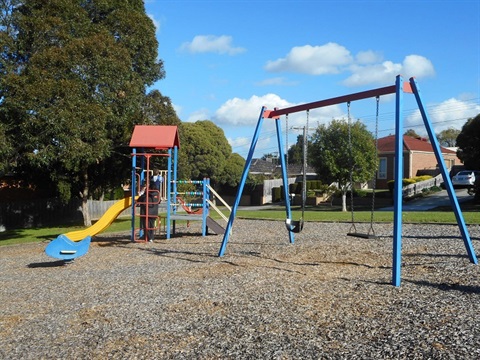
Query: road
(421, 204)
(432, 201)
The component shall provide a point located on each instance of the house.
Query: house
(418, 158)
(272, 171)
(271, 168)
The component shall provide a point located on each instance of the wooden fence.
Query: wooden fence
(49, 212)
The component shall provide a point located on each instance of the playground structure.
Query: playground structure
(399, 88)
(147, 142)
(153, 141)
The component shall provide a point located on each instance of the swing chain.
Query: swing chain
(374, 180)
(350, 148)
(286, 142)
(304, 177)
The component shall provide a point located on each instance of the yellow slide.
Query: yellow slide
(104, 222)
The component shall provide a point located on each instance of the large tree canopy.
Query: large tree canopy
(7, 65)
(205, 152)
(334, 157)
(468, 142)
(76, 86)
(158, 110)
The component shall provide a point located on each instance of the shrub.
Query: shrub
(292, 188)
(276, 194)
(422, 178)
(360, 193)
(409, 181)
(406, 182)
(298, 190)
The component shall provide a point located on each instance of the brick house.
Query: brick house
(418, 156)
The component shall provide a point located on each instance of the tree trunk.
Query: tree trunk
(87, 221)
(344, 201)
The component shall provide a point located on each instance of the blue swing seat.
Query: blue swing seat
(65, 249)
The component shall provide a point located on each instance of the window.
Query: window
(382, 168)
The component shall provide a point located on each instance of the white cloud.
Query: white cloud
(367, 67)
(385, 72)
(201, 114)
(312, 60)
(242, 115)
(418, 66)
(368, 57)
(240, 142)
(450, 113)
(377, 73)
(238, 111)
(245, 112)
(212, 44)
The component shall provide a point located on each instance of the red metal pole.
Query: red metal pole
(272, 114)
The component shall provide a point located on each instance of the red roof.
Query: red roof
(387, 144)
(160, 137)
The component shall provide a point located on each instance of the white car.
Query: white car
(465, 178)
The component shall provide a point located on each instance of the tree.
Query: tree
(271, 157)
(333, 158)
(412, 133)
(205, 152)
(468, 142)
(448, 137)
(7, 65)
(158, 110)
(295, 152)
(81, 70)
(233, 170)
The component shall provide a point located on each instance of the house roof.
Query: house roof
(159, 137)
(260, 166)
(387, 144)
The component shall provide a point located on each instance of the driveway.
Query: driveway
(432, 201)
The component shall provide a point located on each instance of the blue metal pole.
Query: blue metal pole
(169, 191)
(133, 190)
(398, 186)
(204, 207)
(446, 178)
(286, 192)
(175, 173)
(142, 166)
(243, 180)
(175, 182)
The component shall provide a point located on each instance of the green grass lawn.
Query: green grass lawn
(471, 214)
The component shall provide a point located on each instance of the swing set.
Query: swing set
(353, 228)
(293, 225)
(399, 88)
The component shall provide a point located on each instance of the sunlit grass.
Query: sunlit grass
(471, 215)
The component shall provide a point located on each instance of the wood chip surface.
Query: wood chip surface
(328, 296)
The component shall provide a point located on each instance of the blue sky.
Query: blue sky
(226, 59)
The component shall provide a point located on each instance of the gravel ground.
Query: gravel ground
(328, 296)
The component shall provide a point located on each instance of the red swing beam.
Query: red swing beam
(275, 114)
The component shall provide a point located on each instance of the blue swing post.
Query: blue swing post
(286, 192)
(241, 185)
(398, 184)
(133, 192)
(446, 178)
